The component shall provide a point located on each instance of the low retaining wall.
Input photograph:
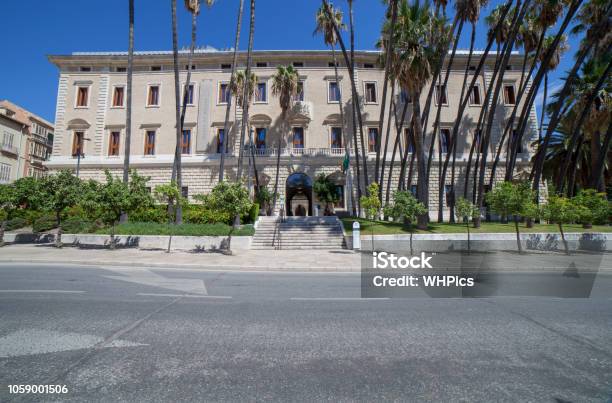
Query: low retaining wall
(487, 242)
(192, 243)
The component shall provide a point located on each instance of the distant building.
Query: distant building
(26, 141)
(91, 114)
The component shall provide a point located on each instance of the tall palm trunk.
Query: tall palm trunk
(351, 70)
(176, 171)
(245, 101)
(387, 135)
(398, 145)
(278, 155)
(230, 97)
(453, 140)
(189, 66)
(351, 67)
(422, 183)
(524, 118)
(345, 138)
(128, 100)
(383, 102)
(598, 172)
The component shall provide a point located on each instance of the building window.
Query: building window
(519, 147)
(149, 148)
(298, 137)
(405, 97)
(5, 173)
(189, 94)
(298, 64)
(261, 95)
(368, 65)
(300, 91)
(82, 97)
(414, 190)
(113, 145)
(340, 193)
(475, 95)
(7, 139)
(477, 138)
(153, 96)
(185, 191)
(224, 93)
(441, 96)
(372, 136)
(408, 140)
(261, 64)
(448, 195)
(260, 138)
(85, 69)
(509, 98)
(77, 144)
(333, 93)
(193, 67)
(226, 66)
(155, 68)
(186, 142)
(336, 137)
(370, 93)
(220, 136)
(121, 69)
(118, 96)
(444, 140)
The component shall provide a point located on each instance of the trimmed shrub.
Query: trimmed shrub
(76, 225)
(199, 214)
(254, 213)
(16, 223)
(44, 223)
(29, 215)
(136, 228)
(156, 214)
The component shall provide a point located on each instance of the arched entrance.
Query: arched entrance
(298, 193)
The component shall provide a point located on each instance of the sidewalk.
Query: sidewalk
(253, 260)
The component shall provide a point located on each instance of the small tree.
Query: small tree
(406, 208)
(509, 199)
(561, 210)
(108, 201)
(232, 198)
(7, 203)
(595, 207)
(465, 210)
(59, 192)
(169, 194)
(326, 192)
(371, 205)
(29, 193)
(264, 197)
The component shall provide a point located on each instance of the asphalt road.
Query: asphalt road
(168, 335)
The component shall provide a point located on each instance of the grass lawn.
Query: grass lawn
(389, 228)
(137, 228)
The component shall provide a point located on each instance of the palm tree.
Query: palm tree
(245, 106)
(284, 86)
(326, 28)
(465, 11)
(176, 167)
(128, 107)
(552, 65)
(415, 69)
(229, 101)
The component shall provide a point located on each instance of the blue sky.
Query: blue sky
(33, 30)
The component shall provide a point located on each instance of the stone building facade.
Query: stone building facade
(90, 117)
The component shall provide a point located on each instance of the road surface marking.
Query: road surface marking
(337, 299)
(147, 294)
(43, 291)
(151, 279)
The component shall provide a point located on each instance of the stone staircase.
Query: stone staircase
(298, 233)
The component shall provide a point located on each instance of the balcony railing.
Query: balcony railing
(9, 149)
(308, 152)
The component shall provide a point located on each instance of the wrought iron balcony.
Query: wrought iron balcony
(8, 149)
(307, 152)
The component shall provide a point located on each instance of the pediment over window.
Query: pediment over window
(76, 124)
(334, 118)
(261, 119)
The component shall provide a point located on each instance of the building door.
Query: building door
(298, 193)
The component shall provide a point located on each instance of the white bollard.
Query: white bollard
(356, 235)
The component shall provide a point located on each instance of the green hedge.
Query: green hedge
(44, 223)
(134, 228)
(16, 223)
